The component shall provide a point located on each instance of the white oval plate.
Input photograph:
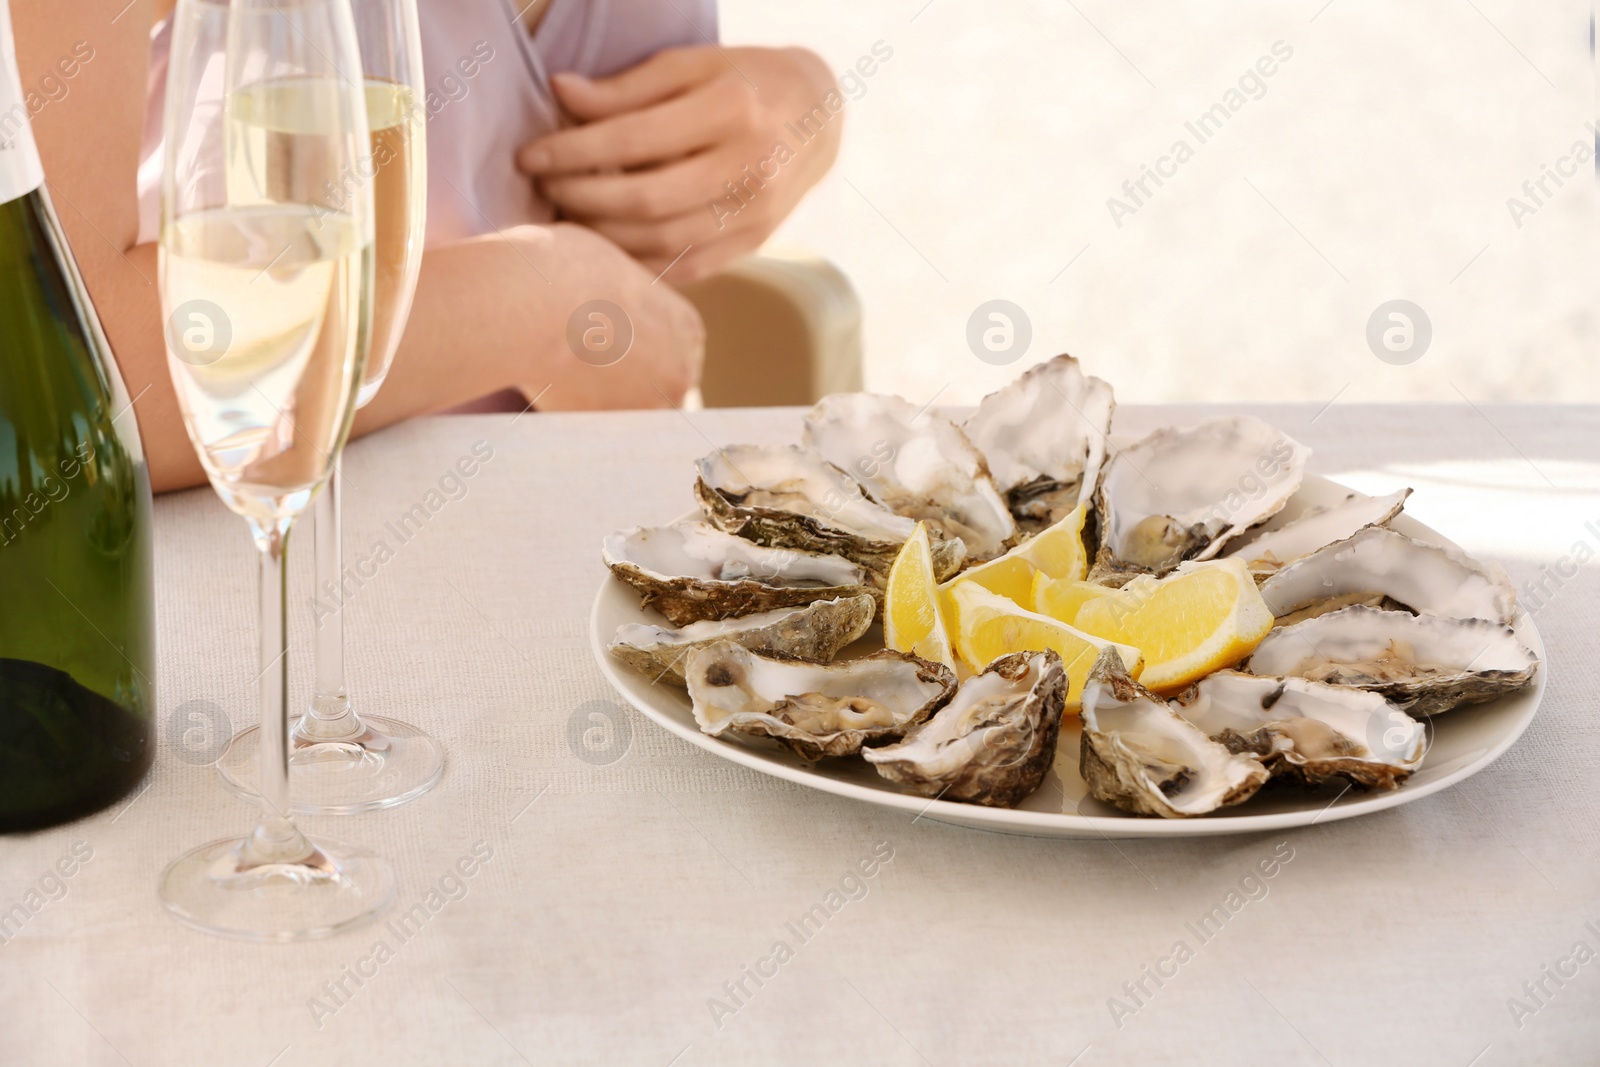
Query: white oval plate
(1463, 742)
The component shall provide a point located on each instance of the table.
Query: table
(626, 886)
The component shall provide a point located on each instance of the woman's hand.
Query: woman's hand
(692, 158)
(626, 340)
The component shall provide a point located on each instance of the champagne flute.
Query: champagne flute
(340, 762)
(266, 285)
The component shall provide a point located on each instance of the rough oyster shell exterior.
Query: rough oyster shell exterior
(787, 496)
(814, 709)
(813, 632)
(691, 572)
(1424, 664)
(1141, 756)
(916, 463)
(1306, 730)
(993, 743)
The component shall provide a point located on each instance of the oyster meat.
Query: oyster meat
(1424, 664)
(993, 743)
(790, 497)
(1380, 567)
(816, 709)
(1143, 757)
(1305, 729)
(691, 571)
(1182, 494)
(915, 463)
(1044, 437)
(1311, 531)
(815, 632)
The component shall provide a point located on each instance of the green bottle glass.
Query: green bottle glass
(77, 630)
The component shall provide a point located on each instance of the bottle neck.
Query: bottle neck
(20, 171)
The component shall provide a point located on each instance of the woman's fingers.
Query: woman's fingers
(666, 74)
(709, 114)
(643, 195)
(703, 170)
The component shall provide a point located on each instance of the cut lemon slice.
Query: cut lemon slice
(911, 618)
(1061, 599)
(992, 626)
(1056, 551)
(1200, 618)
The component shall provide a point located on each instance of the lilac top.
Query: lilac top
(488, 94)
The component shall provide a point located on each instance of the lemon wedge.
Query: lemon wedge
(1056, 551)
(1201, 618)
(912, 621)
(1061, 599)
(991, 626)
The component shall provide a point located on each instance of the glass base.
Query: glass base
(335, 887)
(388, 763)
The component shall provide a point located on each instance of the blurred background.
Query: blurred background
(1374, 164)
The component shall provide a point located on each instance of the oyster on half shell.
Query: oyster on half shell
(790, 497)
(993, 743)
(816, 709)
(1305, 729)
(915, 463)
(1183, 494)
(691, 571)
(1425, 664)
(1380, 567)
(1044, 437)
(1275, 548)
(815, 631)
(1143, 757)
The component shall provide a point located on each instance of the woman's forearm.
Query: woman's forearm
(425, 376)
(493, 312)
(490, 313)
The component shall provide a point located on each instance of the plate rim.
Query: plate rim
(1062, 824)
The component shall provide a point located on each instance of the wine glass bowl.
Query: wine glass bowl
(391, 61)
(267, 406)
(341, 762)
(266, 269)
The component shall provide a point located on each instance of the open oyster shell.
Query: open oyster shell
(915, 463)
(1379, 567)
(1305, 729)
(1182, 494)
(815, 632)
(1425, 664)
(1272, 550)
(993, 743)
(1143, 757)
(691, 571)
(790, 497)
(816, 709)
(1044, 437)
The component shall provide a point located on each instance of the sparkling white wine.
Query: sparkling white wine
(399, 200)
(264, 306)
(276, 123)
(77, 634)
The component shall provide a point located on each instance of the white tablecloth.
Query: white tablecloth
(625, 906)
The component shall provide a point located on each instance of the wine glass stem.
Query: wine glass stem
(275, 839)
(330, 717)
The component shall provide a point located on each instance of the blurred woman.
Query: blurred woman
(577, 150)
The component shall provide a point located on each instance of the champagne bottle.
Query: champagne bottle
(76, 623)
